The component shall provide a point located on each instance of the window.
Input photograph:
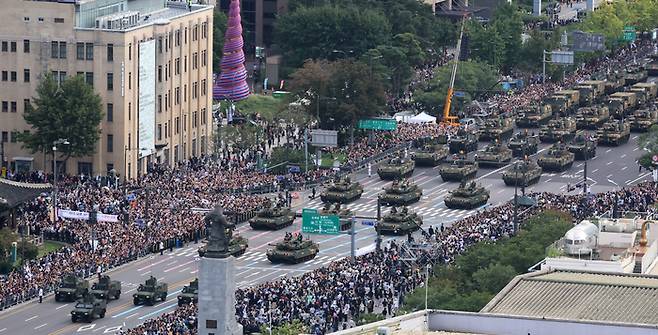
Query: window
(130, 51)
(177, 125)
(177, 37)
(14, 136)
(5, 106)
(185, 92)
(204, 30)
(109, 167)
(80, 51)
(26, 46)
(54, 49)
(5, 136)
(62, 76)
(195, 63)
(5, 75)
(177, 64)
(185, 64)
(110, 112)
(203, 87)
(166, 101)
(195, 89)
(185, 36)
(13, 46)
(177, 95)
(194, 119)
(110, 52)
(89, 78)
(110, 143)
(204, 58)
(159, 132)
(160, 103)
(89, 51)
(84, 168)
(26, 75)
(130, 110)
(159, 44)
(59, 20)
(130, 80)
(14, 107)
(5, 46)
(166, 125)
(26, 105)
(159, 73)
(14, 76)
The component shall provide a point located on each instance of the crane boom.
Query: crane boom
(447, 118)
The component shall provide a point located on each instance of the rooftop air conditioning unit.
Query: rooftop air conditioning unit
(383, 331)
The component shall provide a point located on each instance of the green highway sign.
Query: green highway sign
(314, 223)
(378, 124)
(629, 33)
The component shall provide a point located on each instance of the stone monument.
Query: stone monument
(217, 280)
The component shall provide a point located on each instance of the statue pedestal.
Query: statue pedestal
(217, 297)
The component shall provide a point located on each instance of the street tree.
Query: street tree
(70, 110)
(218, 29)
(311, 84)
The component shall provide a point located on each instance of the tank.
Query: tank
(523, 173)
(560, 105)
(591, 117)
(614, 83)
(494, 155)
(498, 128)
(613, 133)
(399, 222)
(652, 66)
(342, 190)
(463, 141)
(523, 144)
(88, 308)
(635, 75)
(190, 293)
(460, 169)
(583, 146)
(106, 288)
(467, 196)
(396, 168)
(533, 116)
(403, 192)
(430, 155)
(236, 247)
(273, 218)
(293, 250)
(642, 120)
(71, 288)
(621, 104)
(561, 129)
(557, 159)
(344, 214)
(150, 292)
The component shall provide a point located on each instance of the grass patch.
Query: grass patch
(264, 105)
(49, 246)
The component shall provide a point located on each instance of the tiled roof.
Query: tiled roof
(14, 193)
(580, 296)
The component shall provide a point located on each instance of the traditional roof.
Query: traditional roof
(13, 193)
(627, 298)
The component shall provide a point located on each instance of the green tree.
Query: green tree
(295, 327)
(508, 24)
(218, 29)
(311, 82)
(241, 136)
(494, 277)
(70, 110)
(284, 155)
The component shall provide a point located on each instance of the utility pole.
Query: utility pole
(306, 150)
(543, 63)
(56, 190)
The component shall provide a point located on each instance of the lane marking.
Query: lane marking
(37, 327)
(131, 315)
(624, 168)
(62, 306)
(32, 318)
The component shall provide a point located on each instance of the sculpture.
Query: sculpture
(220, 234)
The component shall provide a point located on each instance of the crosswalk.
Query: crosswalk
(252, 256)
(425, 209)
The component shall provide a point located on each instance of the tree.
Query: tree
(311, 83)
(70, 110)
(218, 29)
(494, 277)
(291, 328)
(241, 136)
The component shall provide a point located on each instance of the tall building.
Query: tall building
(258, 18)
(149, 60)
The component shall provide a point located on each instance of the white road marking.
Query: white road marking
(62, 306)
(608, 151)
(608, 176)
(608, 163)
(37, 327)
(624, 168)
(32, 318)
(593, 171)
(501, 191)
(131, 315)
(639, 178)
(547, 180)
(95, 330)
(112, 329)
(622, 156)
(636, 149)
(3, 329)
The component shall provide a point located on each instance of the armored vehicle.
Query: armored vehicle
(523, 144)
(494, 154)
(463, 140)
(649, 89)
(396, 168)
(582, 146)
(190, 293)
(106, 288)
(635, 75)
(403, 192)
(273, 218)
(560, 104)
(641, 95)
(621, 104)
(344, 214)
(590, 91)
(460, 169)
(71, 288)
(591, 117)
(149, 292)
(236, 247)
(652, 66)
(467, 196)
(343, 191)
(430, 155)
(614, 133)
(293, 250)
(88, 308)
(497, 128)
(572, 95)
(399, 222)
(561, 129)
(642, 120)
(522, 173)
(558, 158)
(533, 116)
(614, 83)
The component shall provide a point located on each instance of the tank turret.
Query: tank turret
(468, 195)
(523, 143)
(460, 169)
(494, 155)
(497, 128)
(399, 222)
(557, 130)
(343, 190)
(402, 192)
(583, 146)
(273, 218)
(430, 155)
(522, 173)
(557, 159)
(613, 133)
(292, 250)
(463, 141)
(396, 168)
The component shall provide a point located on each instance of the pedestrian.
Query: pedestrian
(369, 170)
(161, 248)
(98, 271)
(40, 295)
(313, 193)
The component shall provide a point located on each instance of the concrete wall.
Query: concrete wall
(649, 257)
(616, 240)
(583, 265)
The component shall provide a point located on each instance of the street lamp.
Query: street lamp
(61, 141)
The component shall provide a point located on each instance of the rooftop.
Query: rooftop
(13, 193)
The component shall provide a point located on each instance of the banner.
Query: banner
(146, 107)
(75, 215)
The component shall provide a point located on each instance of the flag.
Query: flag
(281, 85)
(265, 83)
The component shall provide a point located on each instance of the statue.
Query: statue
(220, 234)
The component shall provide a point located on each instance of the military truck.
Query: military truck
(557, 159)
(560, 104)
(592, 90)
(293, 250)
(150, 292)
(344, 214)
(652, 66)
(642, 120)
(556, 130)
(582, 146)
(71, 288)
(497, 128)
(430, 155)
(460, 169)
(463, 141)
(635, 75)
(614, 83)
(591, 117)
(106, 288)
(237, 246)
(572, 95)
(522, 173)
(189, 294)
(402, 192)
(88, 308)
(621, 104)
(273, 218)
(649, 89)
(343, 190)
(396, 168)
(467, 196)
(641, 95)
(523, 143)
(399, 222)
(613, 133)
(494, 155)
(533, 116)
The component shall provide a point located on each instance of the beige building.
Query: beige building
(149, 60)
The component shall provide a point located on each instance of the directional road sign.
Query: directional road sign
(368, 223)
(314, 223)
(629, 33)
(378, 124)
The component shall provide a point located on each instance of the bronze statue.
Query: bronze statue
(220, 234)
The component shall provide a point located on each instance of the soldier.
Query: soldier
(394, 210)
(405, 210)
(327, 206)
(299, 237)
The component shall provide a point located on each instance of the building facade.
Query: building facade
(258, 18)
(149, 60)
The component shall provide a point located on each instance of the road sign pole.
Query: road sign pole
(353, 239)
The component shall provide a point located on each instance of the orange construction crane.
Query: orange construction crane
(451, 120)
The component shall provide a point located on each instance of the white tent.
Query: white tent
(422, 118)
